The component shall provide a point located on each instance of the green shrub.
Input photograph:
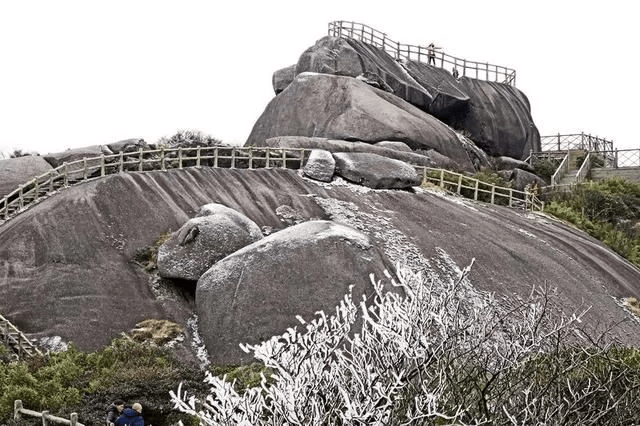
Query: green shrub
(546, 168)
(607, 210)
(147, 257)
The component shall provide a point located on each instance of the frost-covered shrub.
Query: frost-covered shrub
(437, 352)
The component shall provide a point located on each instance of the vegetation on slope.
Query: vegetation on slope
(607, 210)
(441, 353)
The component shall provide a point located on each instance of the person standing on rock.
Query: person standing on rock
(113, 412)
(431, 53)
(131, 416)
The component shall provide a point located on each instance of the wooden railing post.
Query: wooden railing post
(233, 157)
(180, 157)
(250, 158)
(162, 160)
(121, 162)
(284, 158)
(198, 156)
(84, 168)
(21, 195)
(268, 153)
(441, 178)
(140, 158)
(17, 409)
(73, 419)
(510, 197)
(215, 157)
(459, 183)
(45, 420)
(493, 193)
(475, 191)
(102, 171)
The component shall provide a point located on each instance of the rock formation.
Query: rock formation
(375, 171)
(217, 232)
(18, 171)
(320, 165)
(257, 292)
(338, 107)
(496, 116)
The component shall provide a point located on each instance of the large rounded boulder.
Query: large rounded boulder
(375, 171)
(337, 107)
(216, 232)
(256, 292)
(17, 171)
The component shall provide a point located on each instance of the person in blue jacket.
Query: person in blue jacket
(131, 416)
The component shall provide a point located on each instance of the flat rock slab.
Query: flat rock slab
(217, 232)
(375, 171)
(257, 292)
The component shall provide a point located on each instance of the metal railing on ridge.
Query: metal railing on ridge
(162, 159)
(577, 141)
(465, 67)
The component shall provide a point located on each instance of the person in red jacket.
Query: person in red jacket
(131, 416)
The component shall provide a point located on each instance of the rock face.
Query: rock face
(375, 171)
(257, 292)
(128, 145)
(283, 77)
(337, 107)
(18, 171)
(58, 158)
(427, 158)
(497, 116)
(521, 178)
(217, 232)
(320, 165)
(508, 163)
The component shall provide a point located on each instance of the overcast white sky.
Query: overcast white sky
(77, 73)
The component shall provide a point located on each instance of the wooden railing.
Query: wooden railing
(479, 190)
(575, 141)
(144, 160)
(19, 410)
(15, 340)
(465, 67)
(156, 159)
(617, 158)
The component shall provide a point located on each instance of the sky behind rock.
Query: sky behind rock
(77, 73)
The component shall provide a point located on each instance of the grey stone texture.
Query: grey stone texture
(320, 165)
(215, 233)
(375, 171)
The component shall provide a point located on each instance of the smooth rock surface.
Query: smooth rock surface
(18, 171)
(282, 78)
(257, 292)
(508, 163)
(521, 178)
(375, 171)
(398, 146)
(338, 107)
(58, 158)
(320, 165)
(215, 233)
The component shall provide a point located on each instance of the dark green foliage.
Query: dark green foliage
(546, 168)
(148, 257)
(245, 376)
(86, 383)
(608, 210)
(189, 139)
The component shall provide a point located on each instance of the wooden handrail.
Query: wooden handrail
(561, 171)
(10, 334)
(156, 159)
(369, 35)
(19, 410)
(457, 181)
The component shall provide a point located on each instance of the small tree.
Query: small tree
(436, 352)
